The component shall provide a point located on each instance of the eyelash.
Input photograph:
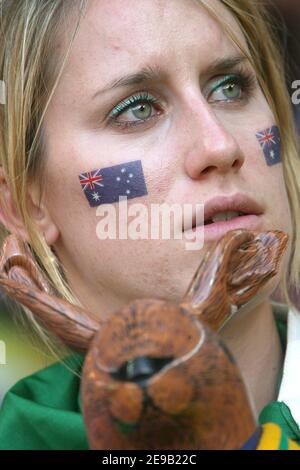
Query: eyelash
(124, 105)
(245, 80)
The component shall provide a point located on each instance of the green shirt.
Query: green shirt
(43, 411)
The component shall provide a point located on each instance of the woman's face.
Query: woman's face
(191, 126)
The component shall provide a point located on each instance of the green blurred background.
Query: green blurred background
(20, 349)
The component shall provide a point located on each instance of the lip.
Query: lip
(217, 230)
(237, 203)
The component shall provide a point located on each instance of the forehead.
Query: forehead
(122, 36)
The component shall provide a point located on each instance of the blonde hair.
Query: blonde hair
(31, 71)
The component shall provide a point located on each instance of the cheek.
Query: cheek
(66, 202)
(280, 201)
(263, 175)
(262, 150)
(75, 208)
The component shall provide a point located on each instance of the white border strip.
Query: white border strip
(2, 92)
(290, 385)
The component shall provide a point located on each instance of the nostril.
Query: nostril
(208, 169)
(237, 164)
(140, 369)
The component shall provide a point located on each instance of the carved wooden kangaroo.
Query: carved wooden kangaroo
(156, 375)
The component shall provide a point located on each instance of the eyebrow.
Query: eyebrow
(155, 73)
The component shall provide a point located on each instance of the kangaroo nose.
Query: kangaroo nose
(140, 369)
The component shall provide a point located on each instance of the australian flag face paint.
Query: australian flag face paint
(269, 140)
(106, 185)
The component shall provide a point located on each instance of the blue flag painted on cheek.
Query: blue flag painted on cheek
(269, 140)
(106, 185)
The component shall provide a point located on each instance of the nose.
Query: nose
(141, 369)
(212, 149)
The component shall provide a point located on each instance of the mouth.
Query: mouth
(223, 213)
(222, 217)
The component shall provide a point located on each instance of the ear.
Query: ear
(11, 219)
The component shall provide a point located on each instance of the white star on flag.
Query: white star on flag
(96, 196)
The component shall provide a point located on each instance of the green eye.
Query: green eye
(232, 91)
(142, 111)
(229, 88)
(140, 107)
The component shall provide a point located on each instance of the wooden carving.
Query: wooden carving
(156, 375)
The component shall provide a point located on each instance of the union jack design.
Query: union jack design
(269, 140)
(91, 179)
(266, 137)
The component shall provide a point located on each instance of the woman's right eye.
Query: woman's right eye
(135, 110)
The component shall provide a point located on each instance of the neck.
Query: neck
(254, 342)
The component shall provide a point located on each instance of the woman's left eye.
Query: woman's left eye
(229, 88)
(135, 110)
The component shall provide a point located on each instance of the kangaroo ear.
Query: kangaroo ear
(22, 279)
(240, 264)
(12, 220)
